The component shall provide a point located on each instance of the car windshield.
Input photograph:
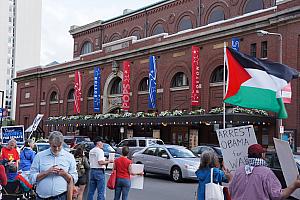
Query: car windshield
(83, 139)
(43, 147)
(108, 148)
(154, 142)
(68, 140)
(218, 151)
(181, 153)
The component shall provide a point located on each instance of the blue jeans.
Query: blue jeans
(122, 187)
(96, 180)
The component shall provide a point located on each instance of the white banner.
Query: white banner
(287, 163)
(36, 121)
(234, 143)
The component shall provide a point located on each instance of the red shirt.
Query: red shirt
(3, 178)
(10, 154)
(122, 167)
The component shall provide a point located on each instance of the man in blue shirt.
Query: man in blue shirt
(53, 169)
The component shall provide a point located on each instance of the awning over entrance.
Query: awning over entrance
(234, 118)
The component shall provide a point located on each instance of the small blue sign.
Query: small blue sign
(235, 44)
(9, 132)
(97, 86)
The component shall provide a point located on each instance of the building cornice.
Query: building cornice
(78, 29)
(198, 36)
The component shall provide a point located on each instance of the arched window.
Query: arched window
(116, 87)
(91, 92)
(179, 80)
(144, 84)
(158, 29)
(217, 14)
(115, 37)
(137, 34)
(53, 96)
(253, 5)
(217, 75)
(86, 48)
(71, 94)
(185, 23)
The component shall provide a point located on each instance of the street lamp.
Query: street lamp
(262, 33)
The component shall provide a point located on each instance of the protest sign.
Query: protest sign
(137, 181)
(234, 143)
(36, 121)
(9, 132)
(111, 156)
(287, 163)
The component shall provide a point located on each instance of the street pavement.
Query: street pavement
(158, 187)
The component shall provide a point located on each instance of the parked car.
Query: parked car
(136, 144)
(273, 163)
(216, 149)
(89, 145)
(176, 161)
(76, 139)
(38, 147)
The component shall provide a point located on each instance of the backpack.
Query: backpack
(80, 166)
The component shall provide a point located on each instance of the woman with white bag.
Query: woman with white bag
(209, 163)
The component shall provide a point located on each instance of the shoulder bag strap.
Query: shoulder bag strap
(211, 174)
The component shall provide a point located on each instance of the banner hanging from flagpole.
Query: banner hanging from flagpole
(77, 92)
(152, 83)
(97, 91)
(126, 86)
(195, 98)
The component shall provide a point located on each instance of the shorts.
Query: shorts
(82, 180)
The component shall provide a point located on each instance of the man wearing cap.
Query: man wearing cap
(256, 181)
(97, 176)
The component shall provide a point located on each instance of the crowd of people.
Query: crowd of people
(251, 181)
(59, 175)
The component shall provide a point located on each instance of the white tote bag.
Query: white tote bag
(213, 191)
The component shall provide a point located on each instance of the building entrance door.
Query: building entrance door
(180, 136)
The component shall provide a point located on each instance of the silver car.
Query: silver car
(176, 161)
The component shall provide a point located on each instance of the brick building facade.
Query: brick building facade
(167, 30)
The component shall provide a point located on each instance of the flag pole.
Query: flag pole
(224, 87)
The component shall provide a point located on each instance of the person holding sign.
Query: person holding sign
(256, 181)
(208, 161)
(122, 166)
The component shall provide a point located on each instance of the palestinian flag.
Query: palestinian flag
(256, 83)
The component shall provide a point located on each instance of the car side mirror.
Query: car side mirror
(165, 156)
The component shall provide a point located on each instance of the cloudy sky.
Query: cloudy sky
(59, 15)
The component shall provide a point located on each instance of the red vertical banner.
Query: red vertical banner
(126, 86)
(286, 93)
(195, 98)
(77, 92)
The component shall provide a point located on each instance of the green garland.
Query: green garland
(162, 114)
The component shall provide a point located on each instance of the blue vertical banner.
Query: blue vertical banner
(97, 86)
(152, 83)
(235, 44)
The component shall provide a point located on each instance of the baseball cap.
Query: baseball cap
(256, 149)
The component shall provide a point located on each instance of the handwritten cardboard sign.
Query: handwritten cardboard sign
(234, 143)
(287, 163)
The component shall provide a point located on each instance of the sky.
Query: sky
(59, 15)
